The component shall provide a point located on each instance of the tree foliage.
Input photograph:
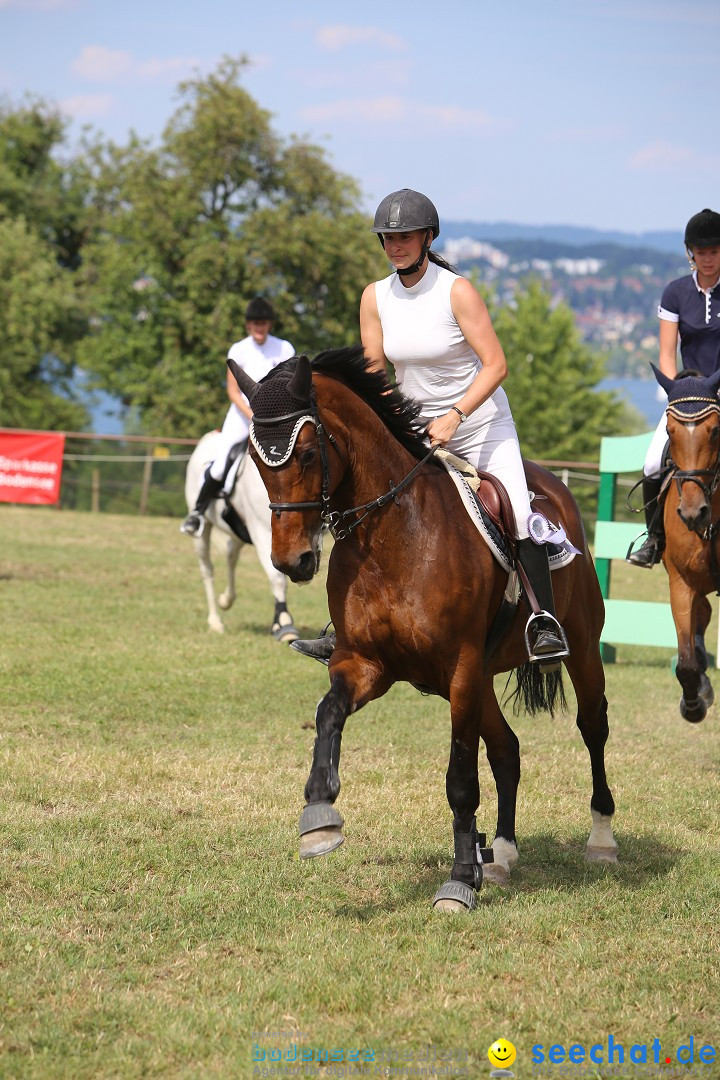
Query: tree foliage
(186, 233)
(552, 379)
(38, 310)
(41, 231)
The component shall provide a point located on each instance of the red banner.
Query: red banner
(30, 466)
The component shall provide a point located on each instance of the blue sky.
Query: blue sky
(595, 112)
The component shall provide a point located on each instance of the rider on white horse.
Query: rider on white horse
(257, 354)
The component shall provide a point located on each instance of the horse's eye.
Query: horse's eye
(308, 456)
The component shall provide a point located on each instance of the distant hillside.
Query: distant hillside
(576, 236)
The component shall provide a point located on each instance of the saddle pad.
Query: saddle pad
(558, 556)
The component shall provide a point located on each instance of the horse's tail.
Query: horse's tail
(537, 692)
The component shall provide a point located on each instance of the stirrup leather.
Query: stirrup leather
(552, 658)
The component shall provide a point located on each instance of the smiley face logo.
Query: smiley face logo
(501, 1054)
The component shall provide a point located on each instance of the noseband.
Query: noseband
(333, 519)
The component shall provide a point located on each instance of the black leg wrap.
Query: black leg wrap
(467, 867)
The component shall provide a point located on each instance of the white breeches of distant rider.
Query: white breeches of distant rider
(234, 430)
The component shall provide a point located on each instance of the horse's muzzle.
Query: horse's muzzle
(303, 568)
(696, 519)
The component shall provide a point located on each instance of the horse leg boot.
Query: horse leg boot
(545, 637)
(195, 521)
(650, 552)
(320, 823)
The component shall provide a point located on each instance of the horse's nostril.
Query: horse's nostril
(305, 567)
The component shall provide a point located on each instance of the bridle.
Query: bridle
(693, 476)
(333, 519)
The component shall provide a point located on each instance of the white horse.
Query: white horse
(250, 501)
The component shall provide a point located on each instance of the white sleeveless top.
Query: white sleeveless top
(433, 362)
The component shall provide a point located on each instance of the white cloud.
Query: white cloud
(99, 64)
(333, 38)
(393, 110)
(662, 156)
(86, 106)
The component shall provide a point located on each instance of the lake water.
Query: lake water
(642, 393)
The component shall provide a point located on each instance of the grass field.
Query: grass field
(156, 920)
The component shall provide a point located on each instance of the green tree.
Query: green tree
(186, 233)
(37, 184)
(39, 314)
(42, 228)
(552, 381)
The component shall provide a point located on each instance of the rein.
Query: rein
(334, 519)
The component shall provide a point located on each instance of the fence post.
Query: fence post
(147, 477)
(95, 491)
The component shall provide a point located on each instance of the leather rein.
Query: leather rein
(334, 519)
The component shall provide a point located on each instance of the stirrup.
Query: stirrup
(190, 528)
(649, 553)
(548, 661)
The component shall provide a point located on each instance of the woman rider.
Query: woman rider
(434, 327)
(689, 310)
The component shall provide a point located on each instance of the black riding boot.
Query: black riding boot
(195, 522)
(320, 648)
(546, 639)
(650, 552)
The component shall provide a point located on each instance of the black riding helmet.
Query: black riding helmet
(405, 211)
(258, 310)
(703, 230)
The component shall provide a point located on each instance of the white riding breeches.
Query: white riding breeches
(493, 447)
(235, 429)
(653, 458)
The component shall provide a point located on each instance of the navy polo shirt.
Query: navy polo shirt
(697, 313)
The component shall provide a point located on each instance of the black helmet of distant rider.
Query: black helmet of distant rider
(407, 210)
(703, 230)
(259, 310)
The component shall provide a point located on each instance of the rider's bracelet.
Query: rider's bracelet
(461, 414)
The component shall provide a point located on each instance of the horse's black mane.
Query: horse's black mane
(397, 412)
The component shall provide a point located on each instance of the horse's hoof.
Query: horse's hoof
(695, 714)
(496, 874)
(454, 896)
(216, 627)
(284, 634)
(225, 602)
(320, 830)
(601, 854)
(320, 842)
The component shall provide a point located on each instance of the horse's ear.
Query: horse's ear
(301, 383)
(664, 381)
(246, 384)
(713, 382)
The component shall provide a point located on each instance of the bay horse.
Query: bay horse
(691, 516)
(249, 501)
(413, 590)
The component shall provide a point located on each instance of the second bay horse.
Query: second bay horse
(413, 590)
(691, 517)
